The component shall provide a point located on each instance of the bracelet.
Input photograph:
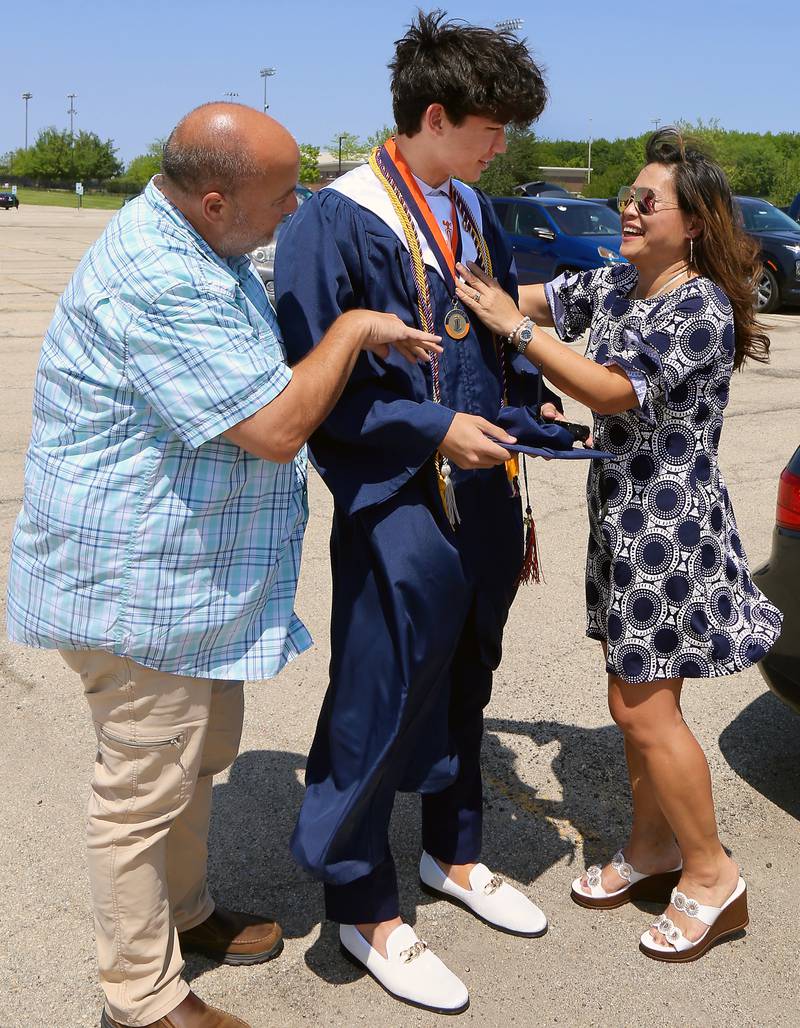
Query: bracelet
(511, 335)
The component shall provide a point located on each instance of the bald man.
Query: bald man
(159, 541)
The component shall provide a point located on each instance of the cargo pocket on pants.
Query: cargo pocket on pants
(146, 775)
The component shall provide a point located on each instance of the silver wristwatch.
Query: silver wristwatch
(523, 336)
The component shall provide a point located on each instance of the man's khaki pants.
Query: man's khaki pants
(160, 739)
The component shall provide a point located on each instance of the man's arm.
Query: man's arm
(278, 430)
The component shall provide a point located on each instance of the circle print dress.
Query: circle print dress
(667, 581)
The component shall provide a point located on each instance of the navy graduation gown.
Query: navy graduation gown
(418, 608)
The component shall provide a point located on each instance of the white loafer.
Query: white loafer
(410, 972)
(491, 899)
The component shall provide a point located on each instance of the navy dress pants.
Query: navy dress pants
(416, 631)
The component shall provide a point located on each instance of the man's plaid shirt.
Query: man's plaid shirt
(143, 531)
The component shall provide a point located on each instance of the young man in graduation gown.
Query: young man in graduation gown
(427, 537)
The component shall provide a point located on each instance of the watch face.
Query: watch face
(526, 334)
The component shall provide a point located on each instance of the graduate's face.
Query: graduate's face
(471, 146)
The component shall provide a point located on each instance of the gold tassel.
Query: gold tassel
(512, 473)
(448, 493)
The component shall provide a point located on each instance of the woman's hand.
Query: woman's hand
(484, 297)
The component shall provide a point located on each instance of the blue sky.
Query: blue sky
(137, 67)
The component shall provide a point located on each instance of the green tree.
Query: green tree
(380, 136)
(57, 156)
(309, 163)
(142, 168)
(352, 146)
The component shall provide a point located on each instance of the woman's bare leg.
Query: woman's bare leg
(676, 772)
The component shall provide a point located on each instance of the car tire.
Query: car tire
(768, 297)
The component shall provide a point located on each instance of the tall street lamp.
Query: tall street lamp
(71, 112)
(589, 168)
(340, 154)
(265, 74)
(26, 97)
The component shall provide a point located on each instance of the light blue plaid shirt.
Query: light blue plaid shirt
(143, 531)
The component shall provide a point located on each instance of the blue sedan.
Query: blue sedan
(551, 235)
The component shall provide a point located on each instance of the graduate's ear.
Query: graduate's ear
(435, 119)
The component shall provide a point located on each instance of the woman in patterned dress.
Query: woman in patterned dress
(668, 589)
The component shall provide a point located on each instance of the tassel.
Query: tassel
(531, 570)
(531, 565)
(448, 494)
(512, 474)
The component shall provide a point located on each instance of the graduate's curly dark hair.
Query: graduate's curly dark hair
(468, 70)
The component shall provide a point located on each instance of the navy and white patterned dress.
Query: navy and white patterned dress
(667, 580)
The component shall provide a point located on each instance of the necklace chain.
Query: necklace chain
(668, 283)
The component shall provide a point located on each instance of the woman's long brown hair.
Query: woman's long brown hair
(723, 252)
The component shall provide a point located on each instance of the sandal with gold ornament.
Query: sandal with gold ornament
(722, 922)
(648, 888)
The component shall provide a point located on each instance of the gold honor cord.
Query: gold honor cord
(425, 311)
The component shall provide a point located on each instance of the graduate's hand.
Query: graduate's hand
(380, 331)
(487, 299)
(467, 444)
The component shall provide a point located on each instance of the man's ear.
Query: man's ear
(213, 206)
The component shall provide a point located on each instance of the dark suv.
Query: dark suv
(779, 238)
(9, 201)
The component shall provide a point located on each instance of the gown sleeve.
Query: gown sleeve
(383, 429)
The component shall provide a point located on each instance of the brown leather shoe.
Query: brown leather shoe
(234, 938)
(192, 1012)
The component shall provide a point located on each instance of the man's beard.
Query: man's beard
(238, 241)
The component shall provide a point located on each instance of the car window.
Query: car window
(760, 216)
(525, 217)
(586, 219)
(501, 209)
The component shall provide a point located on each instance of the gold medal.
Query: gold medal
(456, 323)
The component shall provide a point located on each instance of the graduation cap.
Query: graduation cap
(539, 438)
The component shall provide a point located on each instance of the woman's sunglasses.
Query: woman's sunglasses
(644, 198)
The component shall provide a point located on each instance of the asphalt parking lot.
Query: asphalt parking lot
(555, 787)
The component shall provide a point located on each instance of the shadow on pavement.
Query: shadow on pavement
(527, 828)
(762, 745)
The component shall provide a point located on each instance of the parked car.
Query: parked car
(793, 210)
(264, 256)
(551, 235)
(779, 238)
(778, 579)
(9, 201)
(541, 189)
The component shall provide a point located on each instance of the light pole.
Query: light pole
(231, 96)
(265, 74)
(656, 122)
(509, 25)
(589, 168)
(71, 112)
(340, 154)
(26, 97)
